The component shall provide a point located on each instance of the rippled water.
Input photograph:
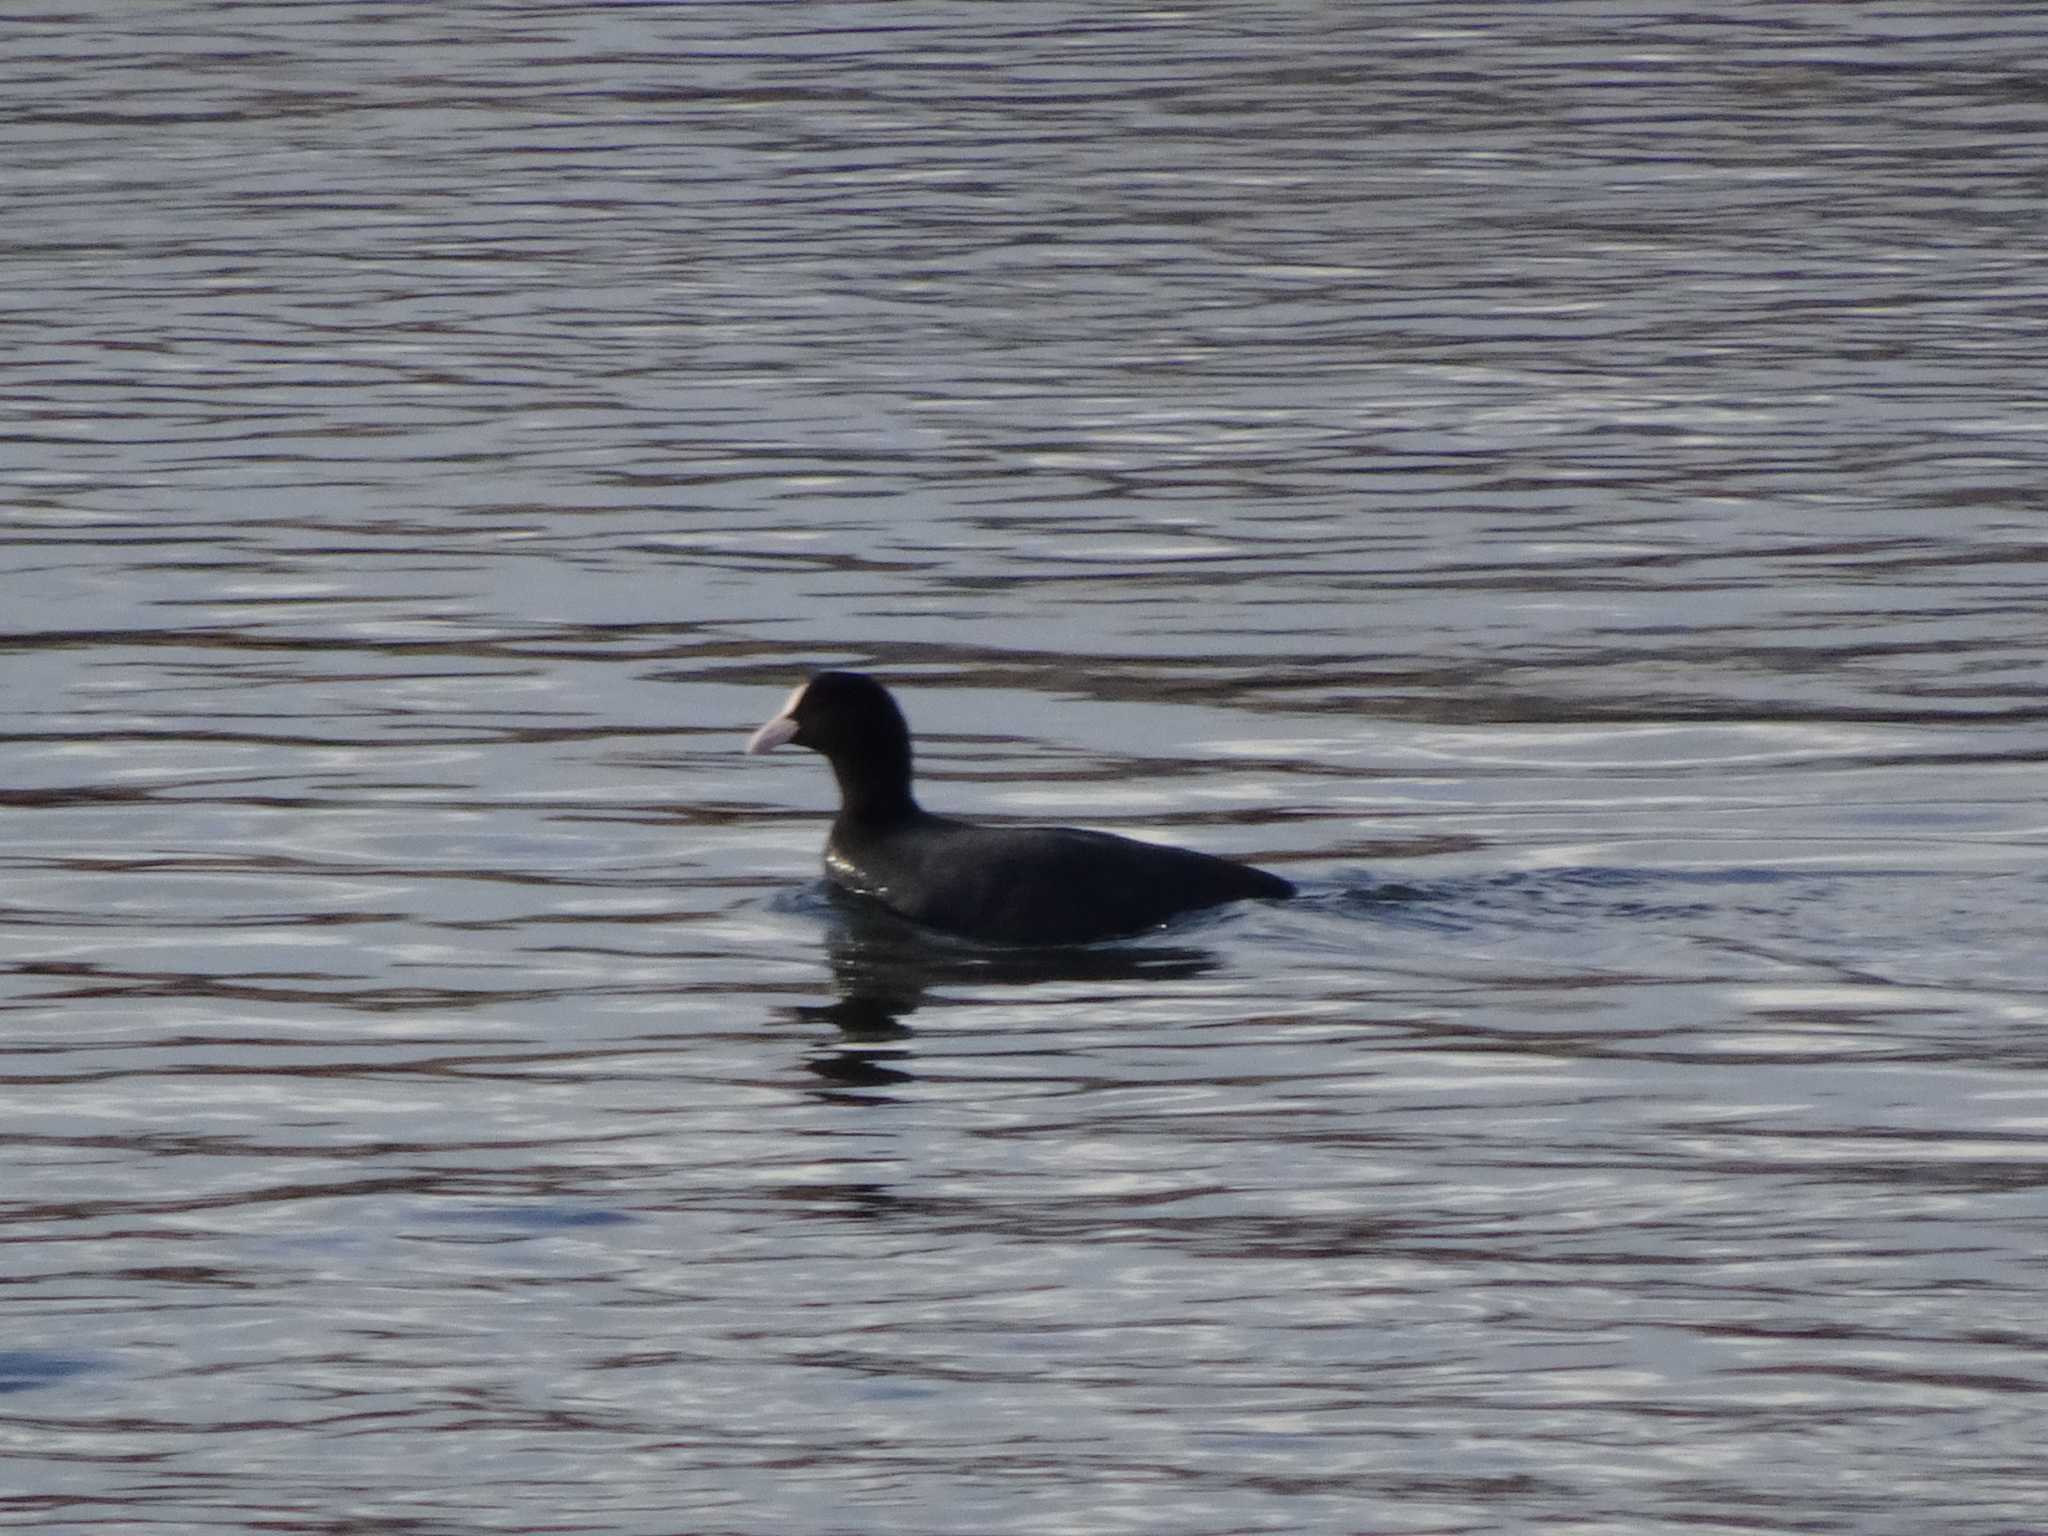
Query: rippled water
(1562, 484)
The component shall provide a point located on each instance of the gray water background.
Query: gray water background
(1564, 483)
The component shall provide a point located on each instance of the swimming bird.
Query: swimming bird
(1001, 885)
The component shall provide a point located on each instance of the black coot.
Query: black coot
(1003, 885)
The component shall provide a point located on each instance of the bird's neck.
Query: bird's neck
(874, 786)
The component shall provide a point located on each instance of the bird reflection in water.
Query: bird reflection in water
(884, 969)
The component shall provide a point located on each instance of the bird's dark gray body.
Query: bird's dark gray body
(1032, 885)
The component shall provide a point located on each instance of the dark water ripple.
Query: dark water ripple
(1563, 485)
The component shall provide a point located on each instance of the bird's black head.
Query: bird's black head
(852, 720)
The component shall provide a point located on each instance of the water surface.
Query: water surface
(1563, 486)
